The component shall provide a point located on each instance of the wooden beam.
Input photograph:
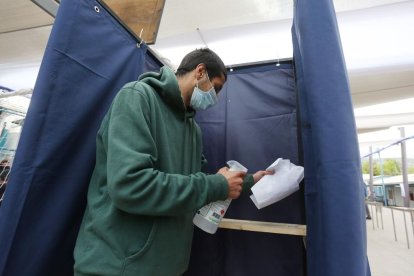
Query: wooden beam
(139, 15)
(262, 226)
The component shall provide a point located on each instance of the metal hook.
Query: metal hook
(201, 37)
(140, 37)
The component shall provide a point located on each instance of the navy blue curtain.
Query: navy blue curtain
(336, 233)
(254, 123)
(89, 57)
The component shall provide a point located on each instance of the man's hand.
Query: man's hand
(259, 174)
(234, 181)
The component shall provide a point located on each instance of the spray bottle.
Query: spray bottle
(208, 217)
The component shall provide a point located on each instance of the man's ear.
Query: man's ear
(200, 70)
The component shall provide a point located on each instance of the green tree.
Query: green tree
(377, 169)
(391, 167)
(365, 168)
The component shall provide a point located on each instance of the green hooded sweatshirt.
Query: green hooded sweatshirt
(146, 185)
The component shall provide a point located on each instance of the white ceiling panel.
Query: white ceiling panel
(22, 14)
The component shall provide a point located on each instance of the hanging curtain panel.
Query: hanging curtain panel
(254, 123)
(335, 214)
(89, 57)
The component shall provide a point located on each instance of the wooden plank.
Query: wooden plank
(262, 226)
(139, 15)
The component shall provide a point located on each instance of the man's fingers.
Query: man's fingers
(240, 174)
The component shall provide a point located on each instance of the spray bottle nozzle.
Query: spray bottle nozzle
(236, 166)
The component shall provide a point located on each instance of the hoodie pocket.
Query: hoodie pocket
(133, 257)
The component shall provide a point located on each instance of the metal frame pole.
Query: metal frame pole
(384, 194)
(412, 221)
(404, 169)
(393, 223)
(371, 176)
(372, 217)
(406, 232)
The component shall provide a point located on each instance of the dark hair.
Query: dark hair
(214, 65)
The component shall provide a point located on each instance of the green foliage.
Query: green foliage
(365, 168)
(389, 167)
(377, 169)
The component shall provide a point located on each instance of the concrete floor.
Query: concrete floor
(388, 257)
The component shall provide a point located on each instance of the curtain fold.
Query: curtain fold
(254, 123)
(336, 233)
(89, 57)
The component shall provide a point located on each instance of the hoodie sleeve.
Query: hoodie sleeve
(134, 185)
(248, 183)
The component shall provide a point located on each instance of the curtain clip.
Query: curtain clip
(140, 37)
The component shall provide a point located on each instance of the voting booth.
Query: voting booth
(254, 122)
(296, 109)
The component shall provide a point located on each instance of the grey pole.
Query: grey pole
(371, 176)
(404, 169)
(406, 232)
(393, 223)
(372, 217)
(412, 221)
(384, 194)
(382, 221)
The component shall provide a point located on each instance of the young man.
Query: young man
(147, 183)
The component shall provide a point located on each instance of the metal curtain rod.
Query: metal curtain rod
(258, 63)
(390, 145)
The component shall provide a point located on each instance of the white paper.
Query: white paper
(273, 188)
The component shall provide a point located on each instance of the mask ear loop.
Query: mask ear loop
(197, 83)
(210, 81)
(208, 78)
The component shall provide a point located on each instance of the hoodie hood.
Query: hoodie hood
(166, 85)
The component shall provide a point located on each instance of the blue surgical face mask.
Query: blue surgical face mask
(201, 100)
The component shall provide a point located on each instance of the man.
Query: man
(367, 212)
(147, 184)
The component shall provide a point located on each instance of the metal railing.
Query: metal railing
(378, 209)
(403, 210)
